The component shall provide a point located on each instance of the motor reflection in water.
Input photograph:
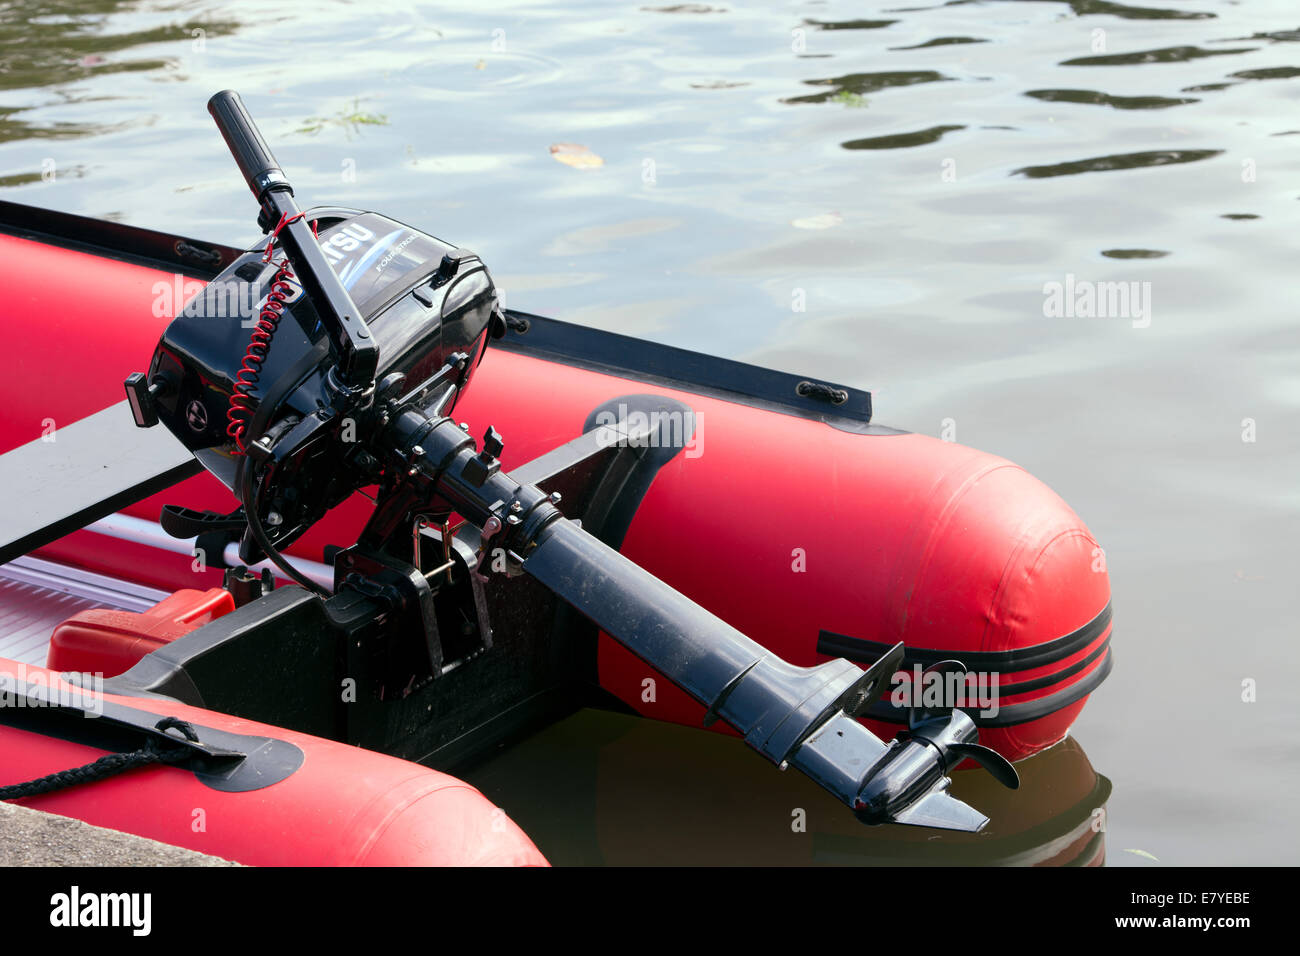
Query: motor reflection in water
(610, 789)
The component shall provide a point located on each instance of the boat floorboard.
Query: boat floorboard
(36, 596)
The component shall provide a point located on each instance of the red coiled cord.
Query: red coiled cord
(242, 401)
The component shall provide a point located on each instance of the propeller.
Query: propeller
(953, 736)
(928, 724)
(992, 761)
(918, 713)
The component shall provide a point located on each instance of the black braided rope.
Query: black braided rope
(109, 765)
(826, 393)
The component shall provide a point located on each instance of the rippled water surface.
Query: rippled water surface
(914, 173)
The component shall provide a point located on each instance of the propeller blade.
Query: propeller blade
(992, 761)
(917, 715)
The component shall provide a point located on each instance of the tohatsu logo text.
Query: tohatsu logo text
(76, 909)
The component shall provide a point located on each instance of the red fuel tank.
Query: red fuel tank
(107, 642)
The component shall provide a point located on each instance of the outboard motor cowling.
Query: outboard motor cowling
(422, 300)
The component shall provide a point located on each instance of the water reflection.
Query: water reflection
(1275, 36)
(1106, 99)
(685, 8)
(1169, 54)
(850, 24)
(628, 791)
(1266, 73)
(1127, 12)
(1134, 253)
(14, 127)
(19, 179)
(940, 41)
(862, 84)
(1082, 8)
(48, 43)
(902, 140)
(1154, 157)
(62, 48)
(1271, 73)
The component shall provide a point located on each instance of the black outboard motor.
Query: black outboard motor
(361, 339)
(422, 300)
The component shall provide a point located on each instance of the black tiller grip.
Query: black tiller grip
(251, 153)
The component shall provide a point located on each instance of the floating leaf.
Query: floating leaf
(351, 118)
(576, 155)
(1144, 853)
(825, 221)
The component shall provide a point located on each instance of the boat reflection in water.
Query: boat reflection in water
(604, 788)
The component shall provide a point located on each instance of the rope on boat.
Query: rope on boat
(154, 751)
(823, 392)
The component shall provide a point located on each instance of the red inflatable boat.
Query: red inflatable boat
(259, 795)
(768, 501)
